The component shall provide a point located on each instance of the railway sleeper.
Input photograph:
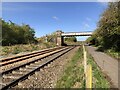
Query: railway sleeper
(19, 72)
(3, 84)
(25, 69)
(37, 62)
(31, 70)
(12, 76)
(7, 80)
(37, 65)
(31, 67)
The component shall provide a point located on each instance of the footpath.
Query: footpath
(108, 65)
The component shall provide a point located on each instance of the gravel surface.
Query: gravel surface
(48, 76)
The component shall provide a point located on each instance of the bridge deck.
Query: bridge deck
(77, 34)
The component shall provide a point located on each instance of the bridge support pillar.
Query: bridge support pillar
(60, 39)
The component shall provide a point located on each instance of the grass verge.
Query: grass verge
(99, 79)
(73, 76)
(113, 53)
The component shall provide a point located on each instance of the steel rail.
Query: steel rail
(21, 78)
(23, 65)
(19, 56)
(24, 57)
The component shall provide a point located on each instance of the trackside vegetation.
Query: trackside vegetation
(16, 39)
(16, 34)
(99, 79)
(16, 49)
(107, 35)
(73, 75)
(21, 38)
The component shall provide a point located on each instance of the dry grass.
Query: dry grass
(8, 50)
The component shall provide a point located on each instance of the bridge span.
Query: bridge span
(77, 34)
(61, 35)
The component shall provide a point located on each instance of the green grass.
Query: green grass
(113, 53)
(74, 73)
(99, 80)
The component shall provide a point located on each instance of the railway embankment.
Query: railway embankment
(48, 76)
(60, 67)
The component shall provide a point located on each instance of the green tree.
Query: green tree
(71, 39)
(16, 34)
(108, 31)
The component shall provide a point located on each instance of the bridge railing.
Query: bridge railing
(77, 34)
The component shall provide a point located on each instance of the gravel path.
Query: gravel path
(108, 64)
(48, 76)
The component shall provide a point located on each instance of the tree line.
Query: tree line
(16, 34)
(107, 34)
(71, 39)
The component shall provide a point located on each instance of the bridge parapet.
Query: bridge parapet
(77, 34)
(61, 35)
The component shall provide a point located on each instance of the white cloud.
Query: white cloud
(56, 18)
(88, 19)
(86, 25)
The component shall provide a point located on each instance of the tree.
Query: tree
(71, 39)
(16, 34)
(108, 31)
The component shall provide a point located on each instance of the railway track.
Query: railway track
(13, 76)
(11, 60)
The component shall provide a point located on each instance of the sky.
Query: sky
(47, 17)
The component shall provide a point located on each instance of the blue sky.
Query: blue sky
(47, 17)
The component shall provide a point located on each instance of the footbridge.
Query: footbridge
(76, 34)
(61, 35)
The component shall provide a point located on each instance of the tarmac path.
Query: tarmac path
(109, 65)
